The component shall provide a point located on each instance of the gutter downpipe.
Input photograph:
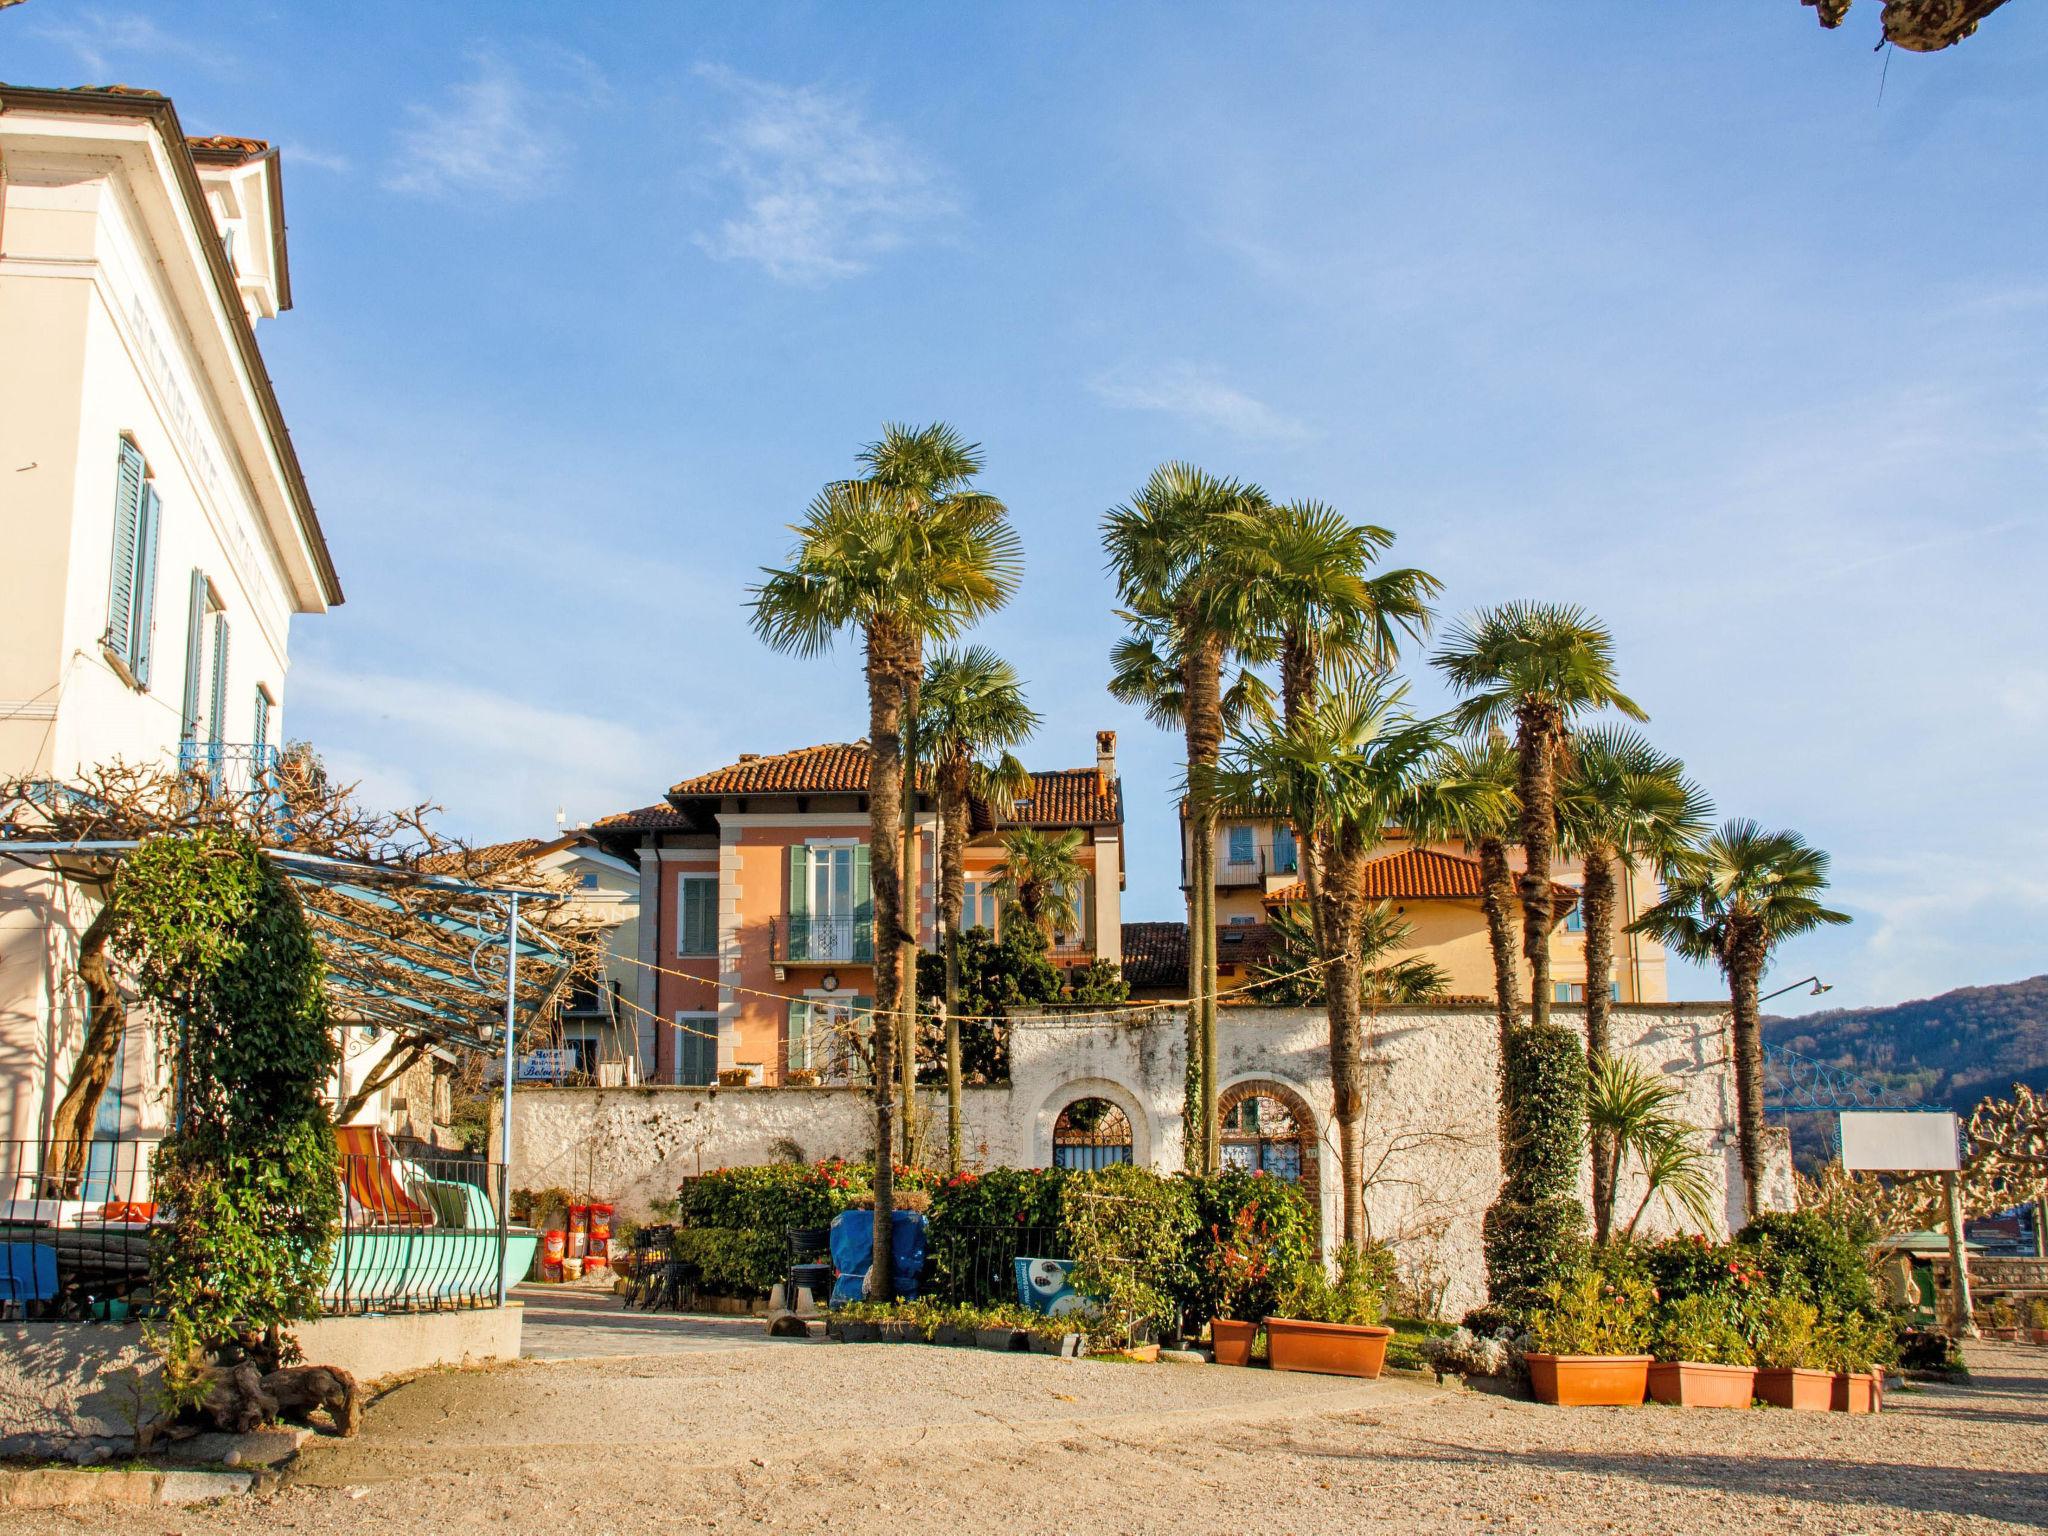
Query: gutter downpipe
(505, 1133)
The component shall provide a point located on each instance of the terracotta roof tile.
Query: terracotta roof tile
(1065, 797)
(649, 818)
(1418, 874)
(1061, 797)
(220, 144)
(1156, 954)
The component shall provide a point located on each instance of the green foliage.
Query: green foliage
(1814, 1259)
(1694, 1266)
(1603, 1307)
(1788, 1334)
(1707, 1328)
(1855, 1341)
(222, 952)
(999, 976)
(1356, 1296)
(733, 1261)
(1098, 984)
(1254, 1238)
(1528, 1246)
(1543, 1086)
(1290, 978)
(1630, 1106)
(1129, 1228)
(999, 1197)
(733, 1224)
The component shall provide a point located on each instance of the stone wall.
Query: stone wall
(1431, 1156)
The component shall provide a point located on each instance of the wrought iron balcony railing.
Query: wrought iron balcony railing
(237, 771)
(806, 940)
(1254, 870)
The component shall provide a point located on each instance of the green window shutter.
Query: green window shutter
(697, 922)
(863, 908)
(217, 717)
(798, 1053)
(128, 489)
(799, 902)
(142, 635)
(259, 729)
(195, 646)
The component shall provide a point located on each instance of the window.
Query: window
(1575, 992)
(1285, 859)
(259, 727)
(1078, 894)
(696, 1058)
(822, 1033)
(1091, 1134)
(587, 881)
(131, 585)
(1260, 1135)
(697, 915)
(831, 910)
(978, 905)
(1575, 920)
(1240, 845)
(206, 639)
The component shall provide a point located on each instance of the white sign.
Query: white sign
(1899, 1141)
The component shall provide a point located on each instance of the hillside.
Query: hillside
(1949, 1050)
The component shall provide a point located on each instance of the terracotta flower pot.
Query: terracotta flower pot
(2038, 1335)
(1589, 1381)
(1330, 1349)
(1856, 1392)
(1791, 1387)
(1691, 1384)
(2003, 1335)
(1231, 1339)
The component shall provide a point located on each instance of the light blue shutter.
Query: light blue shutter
(128, 487)
(260, 728)
(1284, 858)
(217, 715)
(142, 636)
(799, 902)
(195, 650)
(798, 1050)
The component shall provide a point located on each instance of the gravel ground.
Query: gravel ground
(882, 1438)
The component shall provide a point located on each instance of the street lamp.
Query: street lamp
(1819, 987)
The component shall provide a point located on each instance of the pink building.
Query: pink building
(756, 939)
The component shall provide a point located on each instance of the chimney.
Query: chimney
(1105, 762)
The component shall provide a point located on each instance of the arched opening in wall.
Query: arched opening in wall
(1090, 1134)
(1260, 1135)
(1267, 1128)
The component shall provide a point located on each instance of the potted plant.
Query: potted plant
(1236, 1264)
(1851, 1346)
(1702, 1356)
(1587, 1339)
(1332, 1326)
(2002, 1320)
(2037, 1319)
(1129, 1227)
(1788, 1357)
(998, 1329)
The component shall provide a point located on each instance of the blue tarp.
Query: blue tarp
(853, 1251)
(28, 1272)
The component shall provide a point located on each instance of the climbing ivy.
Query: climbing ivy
(1535, 1232)
(223, 955)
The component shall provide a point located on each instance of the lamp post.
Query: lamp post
(1819, 987)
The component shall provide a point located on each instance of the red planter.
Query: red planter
(1231, 1339)
(1589, 1381)
(1787, 1387)
(1689, 1384)
(1857, 1392)
(2038, 1335)
(1330, 1349)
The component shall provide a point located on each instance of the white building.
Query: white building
(157, 532)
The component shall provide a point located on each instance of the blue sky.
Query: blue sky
(1659, 309)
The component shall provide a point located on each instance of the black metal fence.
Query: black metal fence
(977, 1266)
(78, 1220)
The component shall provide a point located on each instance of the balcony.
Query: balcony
(1256, 870)
(804, 940)
(247, 772)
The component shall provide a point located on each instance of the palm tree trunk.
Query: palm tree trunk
(1596, 906)
(906, 1038)
(1536, 737)
(952, 900)
(1204, 704)
(886, 666)
(98, 1054)
(1745, 969)
(1297, 693)
(1497, 898)
(1347, 1054)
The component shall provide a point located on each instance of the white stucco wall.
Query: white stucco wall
(1432, 1152)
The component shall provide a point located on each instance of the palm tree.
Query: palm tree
(1621, 800)
(1039, 878)
(1184, 552)
(900, 568)
(972, 711)
(1325, 612)
(1734, 901)
(1543, 666)
(1356, 763)
(1291, 973)
(1489, 828)
(1629, 1110)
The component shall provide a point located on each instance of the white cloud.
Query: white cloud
(1199, 394)
(299, 154)
(823, 193)
(490, 136)
(498, 764)
(99, 39)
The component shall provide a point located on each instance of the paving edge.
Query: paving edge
(60, 1487)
